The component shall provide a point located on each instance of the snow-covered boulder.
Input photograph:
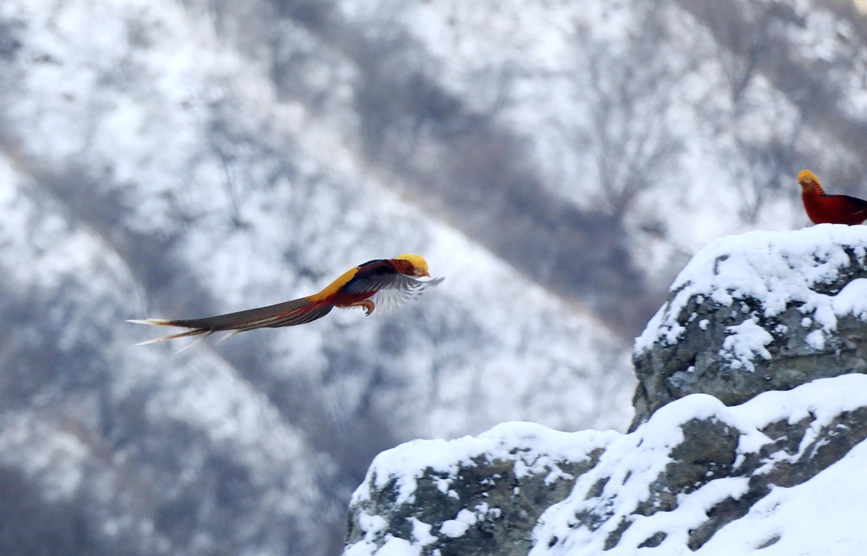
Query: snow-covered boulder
(743, 430)
(757, 312)
(473, 495)
(698, 476)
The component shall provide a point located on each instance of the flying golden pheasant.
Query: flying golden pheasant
(829, 209)
(377, 281)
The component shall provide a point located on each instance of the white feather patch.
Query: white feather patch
(388, 299)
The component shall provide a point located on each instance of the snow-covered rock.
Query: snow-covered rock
(766, 321)
(757, 312)
(472, 495)
(698, 476)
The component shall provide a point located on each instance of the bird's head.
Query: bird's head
(419, 265)
(808, 181)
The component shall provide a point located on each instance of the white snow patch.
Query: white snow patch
(815, 339)
(852, 299)
(421, 532)
(393, 546)
(744, 342)
(458, 526)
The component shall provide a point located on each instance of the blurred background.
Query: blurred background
(557, 160)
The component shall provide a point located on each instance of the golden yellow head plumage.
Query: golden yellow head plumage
(418, 263)
(808, 180)
(806, 174)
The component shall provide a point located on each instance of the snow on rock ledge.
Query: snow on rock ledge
(757, 312)
(698, 476)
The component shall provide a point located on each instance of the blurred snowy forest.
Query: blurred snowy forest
(557, 161)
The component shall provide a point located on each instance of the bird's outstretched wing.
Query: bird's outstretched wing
(401, 289)
(288, 313)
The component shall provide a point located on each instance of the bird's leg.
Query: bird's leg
(365, 304)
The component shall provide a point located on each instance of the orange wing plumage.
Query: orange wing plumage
(364, 286)
(829, 209)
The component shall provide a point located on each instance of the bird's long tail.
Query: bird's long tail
(163, 322)
(288, 313)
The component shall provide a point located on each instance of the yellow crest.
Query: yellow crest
(416, 261)
(806, 175)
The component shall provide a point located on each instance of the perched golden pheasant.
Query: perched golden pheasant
(377, 281)
(829, 209)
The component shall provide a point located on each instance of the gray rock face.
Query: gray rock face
(733, 409)
(763, 312)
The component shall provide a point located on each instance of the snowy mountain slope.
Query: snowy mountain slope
(92, 423)
(277, 221)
